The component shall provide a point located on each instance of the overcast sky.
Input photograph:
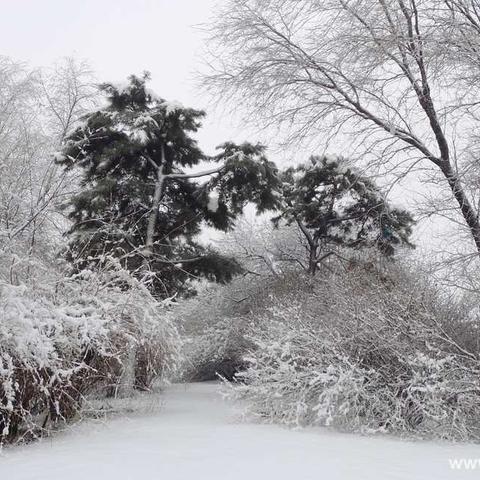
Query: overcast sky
(118, 38)
(121, 37)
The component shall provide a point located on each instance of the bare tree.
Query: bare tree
(397, 76)
(37, 108)
(68, 91)
(263, 249)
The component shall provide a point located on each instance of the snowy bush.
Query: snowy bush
(215, 327)
(59, 342)
(365, 351)
(218, 351)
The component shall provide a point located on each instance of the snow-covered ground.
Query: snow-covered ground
(196, 435)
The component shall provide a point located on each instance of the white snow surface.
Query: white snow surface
(172, 107)
(197, 435)
(213, 201)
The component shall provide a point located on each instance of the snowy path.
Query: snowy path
(195, 436)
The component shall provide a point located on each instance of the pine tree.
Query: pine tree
(334, 206)
(143, 200)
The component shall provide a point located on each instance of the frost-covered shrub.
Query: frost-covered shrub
(216, 323)
(218, 351)
(43, 353)
(364, 351)
(99, 332)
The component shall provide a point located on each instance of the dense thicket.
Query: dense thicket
(67, 338)
(359, 348)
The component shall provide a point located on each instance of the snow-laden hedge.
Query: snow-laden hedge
(58, 342)
(363, 351)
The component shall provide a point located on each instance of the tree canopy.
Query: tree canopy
(143, 199)
(333, 205)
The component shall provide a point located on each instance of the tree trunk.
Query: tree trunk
(152, 219)
(468, 212)
(313, 261)
(142, 376)
(157, 197)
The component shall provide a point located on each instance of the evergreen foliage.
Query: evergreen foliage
(142, 199)
(333, 205)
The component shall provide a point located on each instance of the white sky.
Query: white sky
(118, 38)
